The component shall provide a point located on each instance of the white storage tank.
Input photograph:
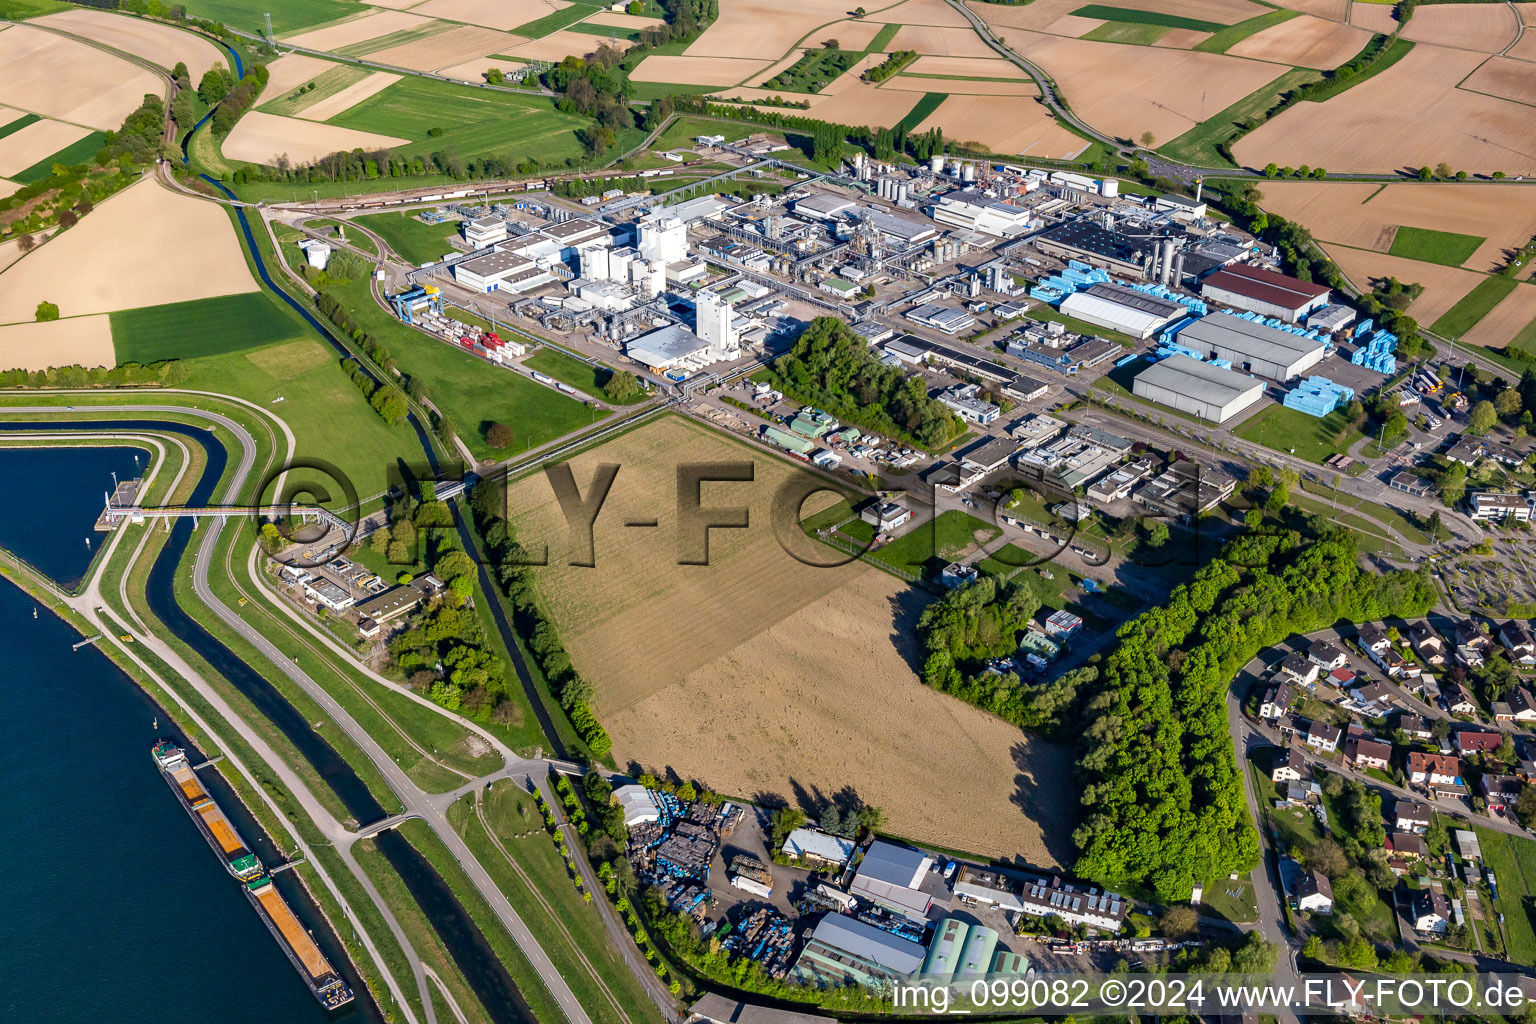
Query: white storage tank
(1109, 187)
(936, 164)
(969, 173)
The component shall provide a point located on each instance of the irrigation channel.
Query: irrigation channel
(465, 942)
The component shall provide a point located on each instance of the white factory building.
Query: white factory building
(673, 347)
(1264, 292)
(1122, 309)
(500, 271)
(485, 231)
(974, 210)
(714, 323)
(1200, 389)
(1251, 346)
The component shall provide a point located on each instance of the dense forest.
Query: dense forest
(833, 369)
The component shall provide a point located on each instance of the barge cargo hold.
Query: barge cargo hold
(323, 981)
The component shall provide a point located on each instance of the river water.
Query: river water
(115, 907)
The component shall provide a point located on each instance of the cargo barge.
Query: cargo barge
(323, 981)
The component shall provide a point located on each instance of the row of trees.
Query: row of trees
(1163, 800)
(386, 399)
(831, 368)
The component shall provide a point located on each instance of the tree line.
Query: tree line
(384, 398)
(1163, 800)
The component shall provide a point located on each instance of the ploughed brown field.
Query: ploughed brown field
(765, 677)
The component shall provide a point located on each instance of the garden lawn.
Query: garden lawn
(1473, 306)
(415, 240)
(202, 327)
(472, 122)
(579, 375)
(473, 392)
(1444, 247)
(1312, 438)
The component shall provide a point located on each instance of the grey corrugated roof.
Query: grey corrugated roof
(1249, 337)
(897, 955)
(891, 863)
(1195, 379)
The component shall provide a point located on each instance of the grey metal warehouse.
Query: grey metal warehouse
(1200, 389)
(1122, 309)
(1266, 351)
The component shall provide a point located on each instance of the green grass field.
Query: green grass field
(354, 237)
(12, 127)
(1103, 12)
(1444, 247)
(1313, 439)
(416, 241)
(288, 16)
(75, 153)
(1513, 862)
(931, 546)
(473, 122)
(326, 84)
(1131, 33)
(1198, 145)
(918, 114)
(550, 23)
(883, 38)
(1473, 306)
(19, 10)
(605, 31)
(203, 327)
(1230, 36)
(814, 71)
(579, 375)
(474, 393)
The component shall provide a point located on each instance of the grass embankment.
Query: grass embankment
(414, 239)
(580, 375)
(1308, 437)
(1473, 306)
(1447, 248)
(507, 835)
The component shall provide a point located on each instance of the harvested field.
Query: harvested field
(37, 141)
(913, 83)
(1487, 28)
(623, 20)
(1305, 42)
(393, 5)
(358, 30)
(557, 46)
(58, 77)
(1511, 316)
(156, 43)
(290, 71)
(1004, 125)
(7, 186)
(143, 247)
(942, 42)
(1443, 286)
(349, 97)
(1364, 129)
(766, 29)
(455, 46)
(924, 12)
(697, 70)
(76, 340)
(261, 138)
(1372, 17)
(1330, 10)
(10, 251)
(1182, 38)
(474, 70)
(863, 104)
(853, 35)
(1166, 92)
(1505, 78)
(1525, 49)
(499, 14)
(970, 67)
(1053, 17)
(792, 713)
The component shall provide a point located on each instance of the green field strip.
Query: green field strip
(882, 38)
(551, 23)
(75, 153)
(919, 113)
(962, 78)
(1526, 339)
(12, 127)
(201, 327)
(288, 16)
(1446, 248)
(1128, 33)
(1230, 36)
(1102, 12)
(606, 31)
(400, 38)
(327, 84)
(1379, 190)
(1198, 145)
(1473, 306)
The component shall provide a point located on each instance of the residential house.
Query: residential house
(1373, 638)
(1327, 656)
(1298, 670)
(1522, 705)
(1278, 698)
(1342, 678)
(1392, 663)
(1428, 912)
(1074, 903)
(1440, 773)
(1365, 753)
(1458, 701)
(1288, 765)
(1411, 816)
(1373, 692)
(1427, 644)
(1407, 844)
(1314, 893)
(1501, 791)
(1323, 737)
(1516, 639)
(1472, 741)
(1416, 726)
(1472, 644)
